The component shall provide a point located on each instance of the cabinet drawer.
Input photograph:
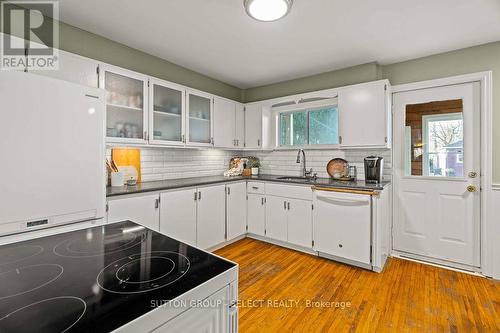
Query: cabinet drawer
(289, 191)
(256, 187)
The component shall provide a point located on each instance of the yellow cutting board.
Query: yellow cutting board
(128, 157)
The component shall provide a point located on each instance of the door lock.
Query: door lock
(471, 188)
(472, 174)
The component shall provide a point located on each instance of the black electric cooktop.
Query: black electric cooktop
(96, 279)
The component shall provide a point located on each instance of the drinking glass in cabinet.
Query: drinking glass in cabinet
(124, 109)
(199, 119)
(167, 113)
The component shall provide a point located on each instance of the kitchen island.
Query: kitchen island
(120, 277)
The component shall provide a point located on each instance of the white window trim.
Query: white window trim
(425, 135)
(303, 107)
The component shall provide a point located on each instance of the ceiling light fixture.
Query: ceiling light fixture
(267, 10)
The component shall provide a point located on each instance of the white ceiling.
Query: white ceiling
(217, 38)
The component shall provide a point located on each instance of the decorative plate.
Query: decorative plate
(337, 165)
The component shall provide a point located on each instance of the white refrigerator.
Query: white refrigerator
(52, 150)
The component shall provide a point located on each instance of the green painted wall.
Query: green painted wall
(474, 59)
(97, 47)
(84, 43)
(338, 78)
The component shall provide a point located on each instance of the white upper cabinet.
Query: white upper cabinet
(229, 123)
(224, 123)
(167, 113)
(74, 69)
(240, 125)
(253, 126)
(365, 115)
(199, 128)
(126, 115)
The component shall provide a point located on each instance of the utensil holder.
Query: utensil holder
(117, 179)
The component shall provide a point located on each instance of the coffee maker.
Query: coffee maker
(374, 169)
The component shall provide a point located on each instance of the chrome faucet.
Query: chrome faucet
(305, 173)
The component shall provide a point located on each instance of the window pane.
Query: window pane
(299, 128)
(324, 126)
(293, 128)
(445, 146)
(285, 134)
(434, 139)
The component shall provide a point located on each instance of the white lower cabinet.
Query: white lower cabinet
(178, 215)
(300, 222)
(289, 220)
(202, 319)
(211, 222)
(144, 210)
(276, 218)
(342, 225)
(195, 216)
(256, 216)
(236, 210)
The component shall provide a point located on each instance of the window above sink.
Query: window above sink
(300, 126)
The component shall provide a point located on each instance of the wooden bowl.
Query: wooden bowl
(337, 165)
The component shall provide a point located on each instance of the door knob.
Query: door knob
(471, 188)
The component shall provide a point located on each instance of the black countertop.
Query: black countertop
(200, 181)
(96, 279)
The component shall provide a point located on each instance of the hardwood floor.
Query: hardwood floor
(405, 297)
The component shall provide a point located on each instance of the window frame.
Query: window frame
(307, 108)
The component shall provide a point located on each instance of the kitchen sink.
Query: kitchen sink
(295, 178)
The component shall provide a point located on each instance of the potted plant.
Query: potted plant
(254, 164)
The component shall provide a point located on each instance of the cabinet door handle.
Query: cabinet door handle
(258, 142)
(157, 203)
(262, 201)
(288, 205)
(195, 196)
(255, 187)
(228, 191)
(284, 205)
(199, 195)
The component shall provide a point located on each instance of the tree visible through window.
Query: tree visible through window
(309, 127)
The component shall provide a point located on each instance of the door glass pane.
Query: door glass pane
(324, 126)
(124, 109)
(199, 119)
(167, 113)
(434, 137)
(293, 128)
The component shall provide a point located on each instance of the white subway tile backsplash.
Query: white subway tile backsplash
(171, 163)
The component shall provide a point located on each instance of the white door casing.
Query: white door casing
(436, 217)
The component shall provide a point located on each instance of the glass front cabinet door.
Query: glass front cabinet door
(126, 119)
(199, 118)
(167, 125)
